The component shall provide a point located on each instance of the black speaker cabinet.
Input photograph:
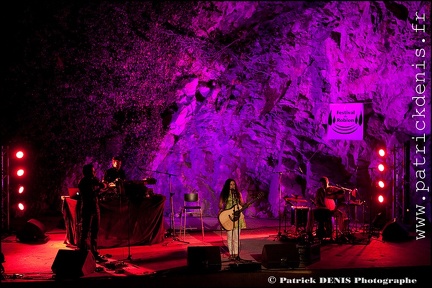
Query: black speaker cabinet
(394, 232)
(33, 231)
(204, 258)
(73, 263)
(280, 256)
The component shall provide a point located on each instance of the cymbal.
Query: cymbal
(150, 181)
(294, 199)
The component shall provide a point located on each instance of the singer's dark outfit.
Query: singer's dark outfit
(90, 215)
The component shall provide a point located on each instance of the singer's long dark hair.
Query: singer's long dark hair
(226, 189)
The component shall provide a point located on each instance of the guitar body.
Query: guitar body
(228, 217)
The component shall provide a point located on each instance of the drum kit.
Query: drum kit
(132, 189)
(302, 221)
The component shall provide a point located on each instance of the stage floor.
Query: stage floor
(165, 264)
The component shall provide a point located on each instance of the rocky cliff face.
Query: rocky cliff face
(258, 111)
(244, 90)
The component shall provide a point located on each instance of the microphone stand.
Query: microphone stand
(129, 245)
(279, 234)
(238, 229)
(120, 192)
(171, 231)
(237, 201)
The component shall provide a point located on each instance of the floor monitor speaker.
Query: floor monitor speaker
(33, 231)
(204, 258)
(280, 256)
(394, 232)
(73, 263)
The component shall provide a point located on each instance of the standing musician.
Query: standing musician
(229, 198)
(89, 187)
(115, 176)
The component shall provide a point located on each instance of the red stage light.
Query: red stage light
(19, 164)
(19, 154)
(21, 206)
(380, 198)
(381, 152)
(381, 184)
(20, 189)
(381, 167)
(20, 172)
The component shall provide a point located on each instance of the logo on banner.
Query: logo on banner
(345, 121)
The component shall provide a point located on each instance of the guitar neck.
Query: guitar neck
(247, 204)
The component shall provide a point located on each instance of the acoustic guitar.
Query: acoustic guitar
(328, 202)
(228, 217)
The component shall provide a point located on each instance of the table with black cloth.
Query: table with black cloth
(143, 217)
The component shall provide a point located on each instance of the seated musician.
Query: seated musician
(321, 213)
(340, 209)
(115, 176)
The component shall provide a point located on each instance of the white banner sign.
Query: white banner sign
(345, 121)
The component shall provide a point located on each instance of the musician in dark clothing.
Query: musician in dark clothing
(114, 177)
(336, 196)
(89, 187)
(334, 199)
(323, 211)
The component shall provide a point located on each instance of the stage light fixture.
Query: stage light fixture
(19, 154)
(21, 206)
(18, 183)
(20, 172)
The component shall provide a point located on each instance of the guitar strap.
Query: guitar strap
(232, 201)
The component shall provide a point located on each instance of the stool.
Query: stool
(191, 203)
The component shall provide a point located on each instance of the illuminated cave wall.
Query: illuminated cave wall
(213, 90)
